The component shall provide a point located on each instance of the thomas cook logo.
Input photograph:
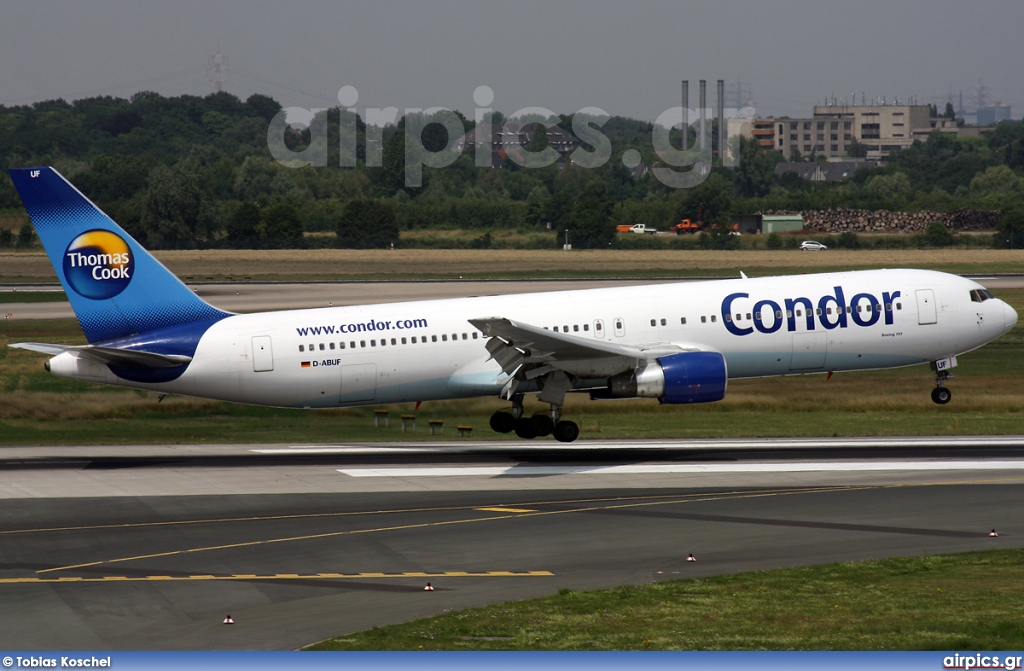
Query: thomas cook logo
(98, 264)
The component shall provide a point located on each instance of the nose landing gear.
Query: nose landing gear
(940, 394)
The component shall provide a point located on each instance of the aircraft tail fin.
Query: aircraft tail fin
(115, 286)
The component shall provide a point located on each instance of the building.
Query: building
(992, 114)
(514, 136)
(834, 130)
(824, 171)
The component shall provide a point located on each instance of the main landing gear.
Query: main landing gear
(537, 425)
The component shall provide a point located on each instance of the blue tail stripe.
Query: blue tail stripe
(115, 287)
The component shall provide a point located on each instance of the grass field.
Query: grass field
(342, 264)
(957, 602)
(39, 408)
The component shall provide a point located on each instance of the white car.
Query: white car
(812, 245)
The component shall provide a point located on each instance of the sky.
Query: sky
(626, 58)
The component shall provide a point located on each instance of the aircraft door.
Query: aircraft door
(620, 327)
(262, 354)
(599, 328)
(809, 351)
(358, 382)
(926, 311)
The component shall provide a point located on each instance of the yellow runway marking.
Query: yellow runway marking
(505, 513)
(283, 576)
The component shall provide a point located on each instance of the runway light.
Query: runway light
(993, 534)
(228, 620)
(691, 558)
(428, 588)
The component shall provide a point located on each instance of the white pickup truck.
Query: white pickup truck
(637, 228)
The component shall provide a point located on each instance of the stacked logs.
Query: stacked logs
(885, 221)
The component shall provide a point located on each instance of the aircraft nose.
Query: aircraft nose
(1009, 316)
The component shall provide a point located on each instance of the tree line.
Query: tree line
(189, 171)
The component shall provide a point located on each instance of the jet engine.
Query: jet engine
(689, 377)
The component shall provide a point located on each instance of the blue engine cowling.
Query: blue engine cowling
(688, 377)
(693, 377)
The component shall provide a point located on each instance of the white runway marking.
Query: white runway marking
(768, 467)
(457, 446)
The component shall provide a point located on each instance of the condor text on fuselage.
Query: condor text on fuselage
(832, 311)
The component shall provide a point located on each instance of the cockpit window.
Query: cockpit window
(980, 295)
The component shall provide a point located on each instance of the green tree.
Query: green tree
(755, 173)
(282, 227)
(591, 223)
(856, 150)
(773, 241)
(1010, 234)
(367, 224)
(26, 236)
(244, 227)
(175, 210)
(937, 235)
(539, 141)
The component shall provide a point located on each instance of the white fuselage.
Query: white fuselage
(427, 350)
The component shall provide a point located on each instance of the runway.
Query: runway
(150, 548)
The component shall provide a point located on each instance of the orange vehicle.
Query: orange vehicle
(687, 226)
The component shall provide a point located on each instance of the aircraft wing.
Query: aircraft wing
(516, 344)
(109, 355)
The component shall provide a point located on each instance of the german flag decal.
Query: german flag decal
(305, 364)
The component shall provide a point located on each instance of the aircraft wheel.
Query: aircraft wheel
(525, 429)
(941, 395)
(503, 422)
(542, 424)
(566, 432)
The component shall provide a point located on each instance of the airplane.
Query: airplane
(677, 342)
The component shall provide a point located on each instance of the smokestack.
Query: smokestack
(721, 121)
(686, 117)
(703, 105)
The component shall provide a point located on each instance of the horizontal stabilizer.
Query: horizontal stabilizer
(109, 355)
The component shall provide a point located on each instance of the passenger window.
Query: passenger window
(352, 344)
(703, 319)
(899, 306)
(576, 328)
(362, 343)
(652, 322)
(332, 345)
(663, 322)
(728, 318)
(433, 338)
(322, 347)
(444, 337)
(341, 345)
(302, 348)
(465, 336)
(403, 341)
(586, 327)
(476, 334)
(682, 320)
(373, 343)
(714, 319)
(414, 340)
